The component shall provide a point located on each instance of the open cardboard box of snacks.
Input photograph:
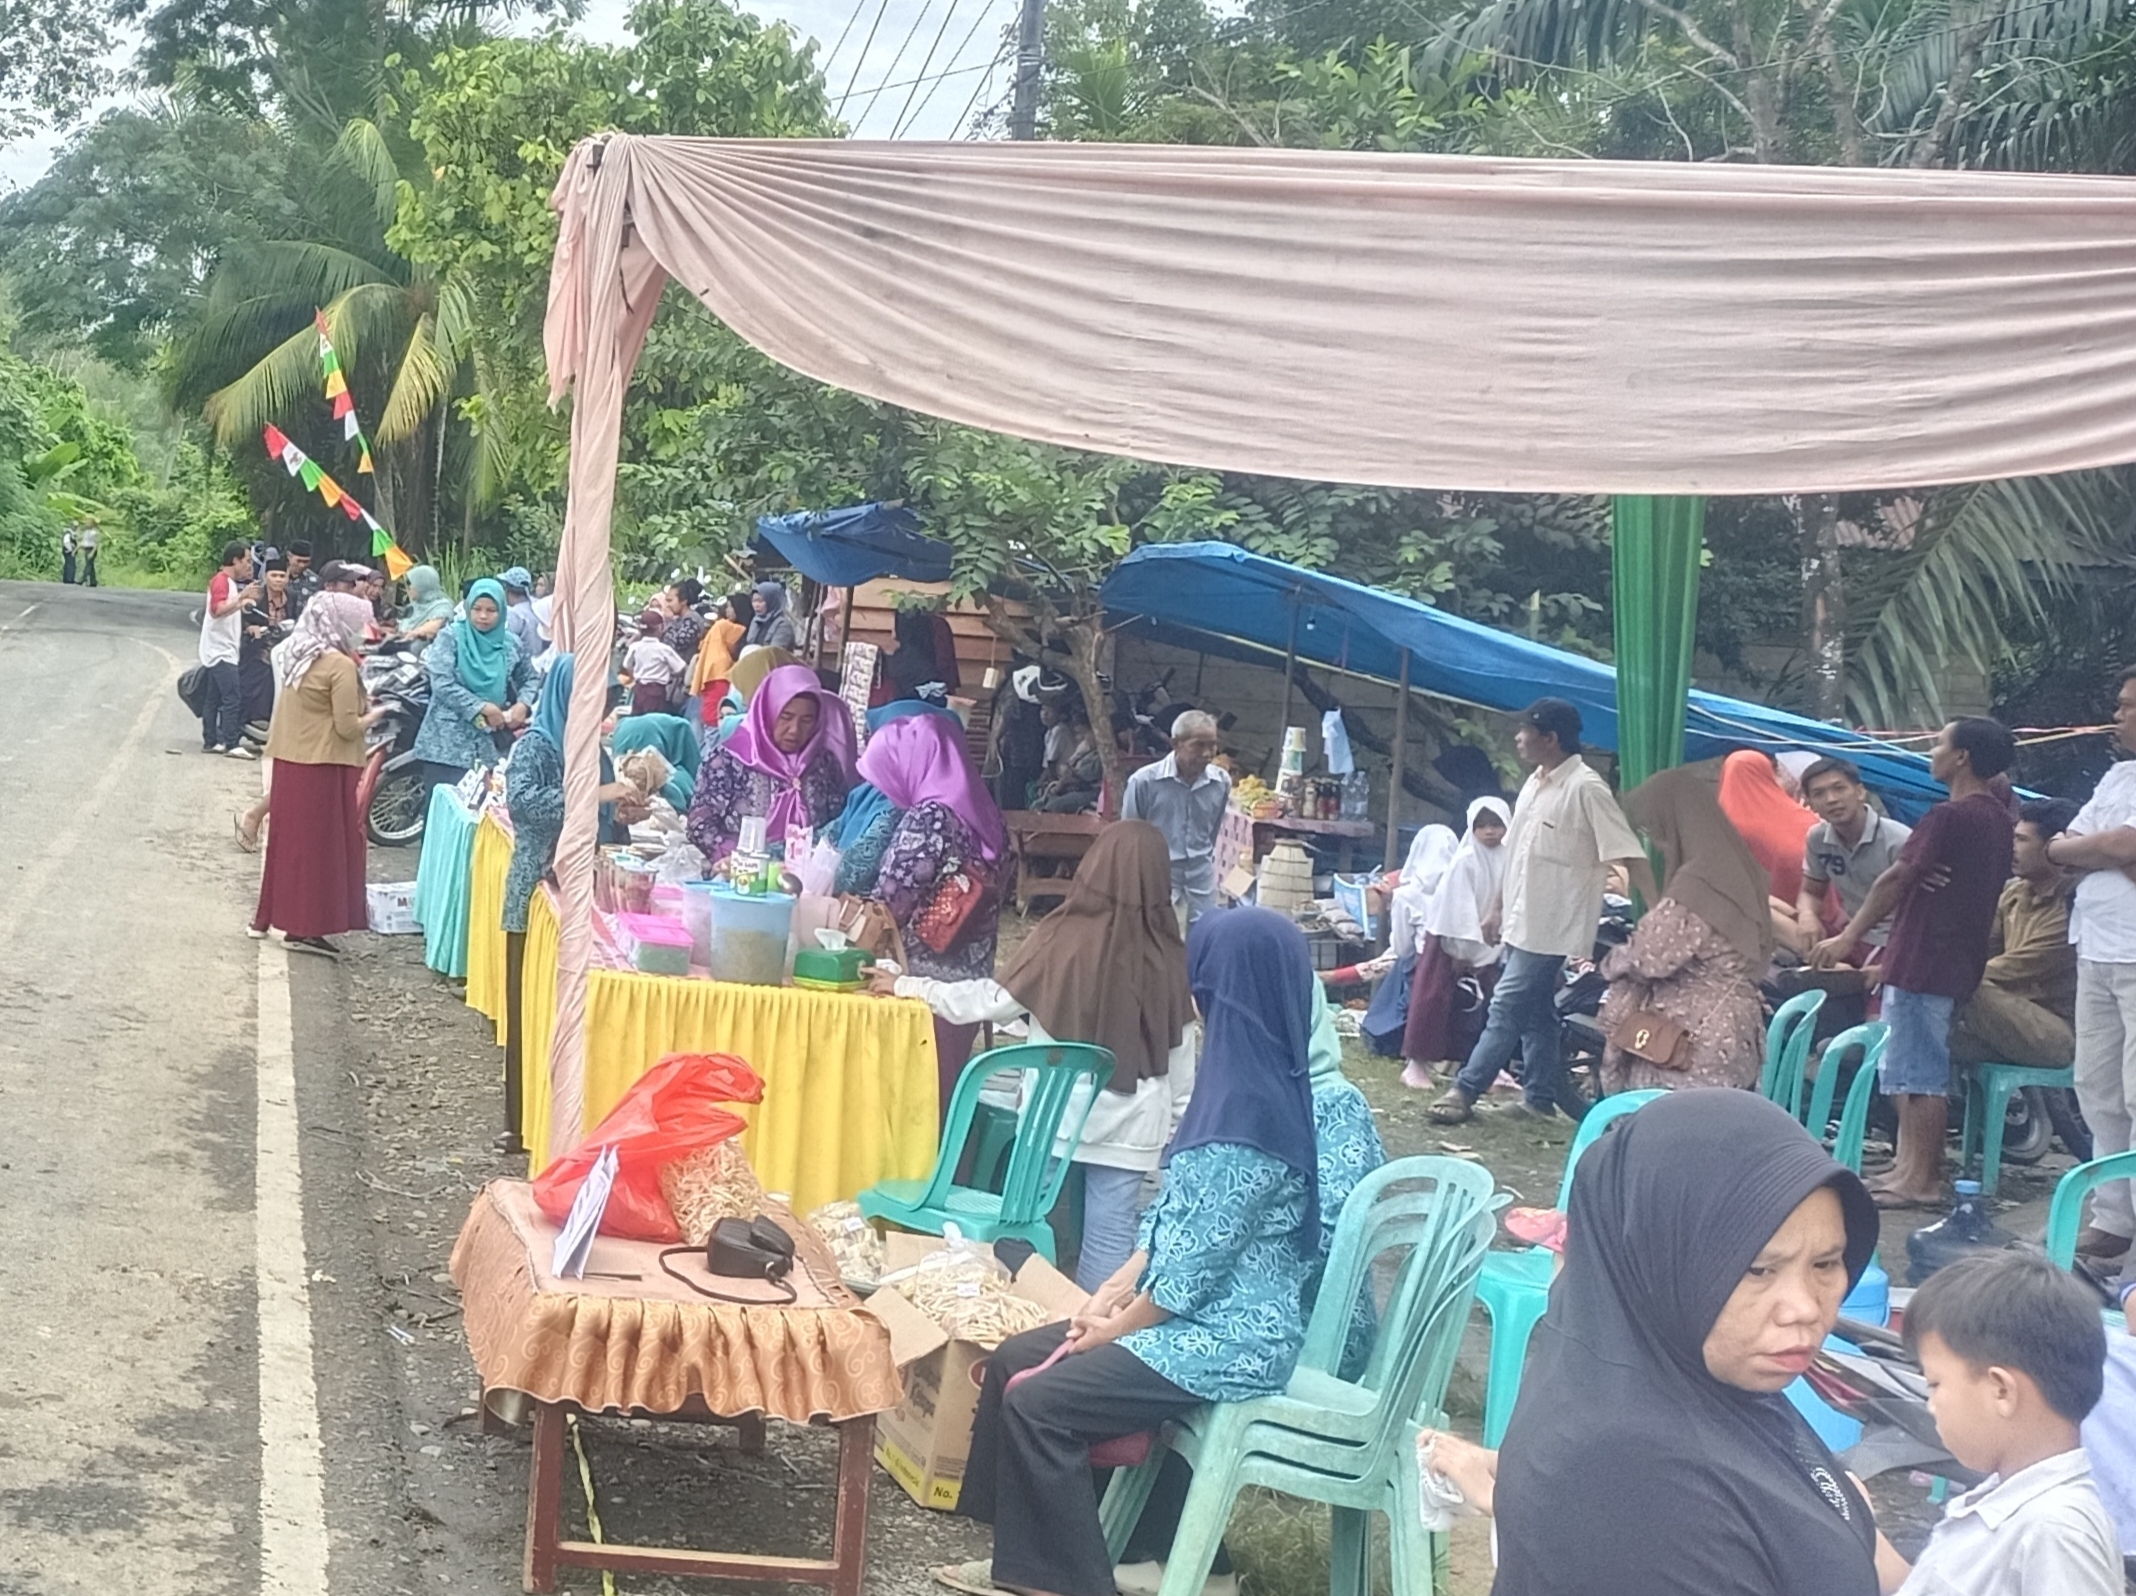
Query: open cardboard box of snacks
(925, 1440)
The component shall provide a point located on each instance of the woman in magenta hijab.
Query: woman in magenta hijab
(941, 872)
(790, 761)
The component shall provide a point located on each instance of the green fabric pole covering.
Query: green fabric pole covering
(1654, 559)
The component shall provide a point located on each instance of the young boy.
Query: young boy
(2015, 1353)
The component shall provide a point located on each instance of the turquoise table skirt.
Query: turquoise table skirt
(441, 882)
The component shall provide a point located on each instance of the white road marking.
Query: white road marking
(292, 1464)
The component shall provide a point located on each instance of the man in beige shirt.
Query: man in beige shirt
(1567, 831)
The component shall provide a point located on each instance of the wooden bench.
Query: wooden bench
(1044, 851)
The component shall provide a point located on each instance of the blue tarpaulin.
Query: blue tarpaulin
(1223, 591)
(844, 548)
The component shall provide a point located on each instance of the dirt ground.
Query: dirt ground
(426, 1072)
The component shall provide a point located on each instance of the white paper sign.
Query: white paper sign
(574, 1244)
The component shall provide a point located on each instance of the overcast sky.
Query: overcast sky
(917, 79)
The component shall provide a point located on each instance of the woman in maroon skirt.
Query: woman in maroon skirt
(1455, 947)
(313, 884)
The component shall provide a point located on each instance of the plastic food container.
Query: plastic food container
(697, 916)
(747, 934)
(656, 944)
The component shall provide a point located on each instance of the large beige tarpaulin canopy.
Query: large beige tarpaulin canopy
(1408, 321)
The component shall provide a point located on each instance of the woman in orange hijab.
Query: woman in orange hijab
(1774, 825)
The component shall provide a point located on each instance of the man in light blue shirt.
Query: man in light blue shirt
(1184, 796)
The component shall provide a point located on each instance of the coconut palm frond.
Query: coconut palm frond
(290, 269)
(364, 151)
(370, 318)
(1983, 553)
(272, 390)
(423, 378)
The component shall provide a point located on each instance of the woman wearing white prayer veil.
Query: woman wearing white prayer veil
(1454, 947)
(1429, 855)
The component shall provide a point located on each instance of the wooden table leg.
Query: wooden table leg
(545, 1479)
(849, 1528)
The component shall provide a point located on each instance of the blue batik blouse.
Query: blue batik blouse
(1350, 1150)
(1228, 1259)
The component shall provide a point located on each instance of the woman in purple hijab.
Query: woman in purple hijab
(948, 828)
(790, 761)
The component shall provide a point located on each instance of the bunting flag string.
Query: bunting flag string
(338, 395)
(306, 470)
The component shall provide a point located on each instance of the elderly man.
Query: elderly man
(1567, 831)
(1183, 795)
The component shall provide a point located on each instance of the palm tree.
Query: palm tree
(249, 353)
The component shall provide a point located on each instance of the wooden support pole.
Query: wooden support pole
(1394, 784)
(1290, 667)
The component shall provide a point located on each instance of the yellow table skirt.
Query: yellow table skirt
(850, 1094)
(485, 921)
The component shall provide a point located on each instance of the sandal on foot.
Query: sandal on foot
(1452, 1109)
(247, 841)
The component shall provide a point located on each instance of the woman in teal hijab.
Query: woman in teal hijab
(481, 687)
(675, 740)
(428, 608)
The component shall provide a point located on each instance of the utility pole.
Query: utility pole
(1030, 54)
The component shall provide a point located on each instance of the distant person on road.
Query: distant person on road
(267, 623)
(1184, 796)
(222, 631)
(313, 884)
(89, 540)
(519, 616)
(1941, 894)
(1849, 847)
(66, 556)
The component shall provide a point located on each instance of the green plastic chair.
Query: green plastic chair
(1515, 1286)
(2065, 1215)
(1817, 1117)
(1987, 1102)
(1787, 1050)
(1350, 1444)
(1032, 1182)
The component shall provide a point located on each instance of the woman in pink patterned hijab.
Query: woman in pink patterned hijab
(790, 761)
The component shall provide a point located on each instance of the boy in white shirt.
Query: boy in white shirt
(2014, 1353)
(653, 668)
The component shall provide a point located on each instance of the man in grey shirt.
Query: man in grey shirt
(1851, 845)
(1184, 795)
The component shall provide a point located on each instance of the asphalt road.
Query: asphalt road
(230, 1353)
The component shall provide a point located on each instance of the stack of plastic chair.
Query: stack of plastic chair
(1987, 1103)
(1348, 1443)
(1787, 1050)
(1854, 1114)
(1515, 1286)
(2065, 1215)
(1033, 1179)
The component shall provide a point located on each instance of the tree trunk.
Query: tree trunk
(1824, 607)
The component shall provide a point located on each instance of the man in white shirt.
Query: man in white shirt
(92, 536)
(1184, 795)
(1567, 832)
(222, 625)
(2101, 843)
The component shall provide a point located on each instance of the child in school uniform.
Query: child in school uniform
(2014, 1353)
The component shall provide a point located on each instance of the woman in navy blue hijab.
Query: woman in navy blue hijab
(1209, 1309)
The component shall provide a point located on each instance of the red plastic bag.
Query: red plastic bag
(671, 1112)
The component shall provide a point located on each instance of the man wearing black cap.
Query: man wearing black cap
(1567, 831)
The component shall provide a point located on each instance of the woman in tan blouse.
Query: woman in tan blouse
(313, 883)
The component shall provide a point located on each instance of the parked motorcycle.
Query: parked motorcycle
(393, 792)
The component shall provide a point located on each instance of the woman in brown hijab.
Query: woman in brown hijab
(1108, 966)
(1683, 1008)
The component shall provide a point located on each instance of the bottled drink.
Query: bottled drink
(1966, 1229)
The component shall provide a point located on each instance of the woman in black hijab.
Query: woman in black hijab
(1710, 1243)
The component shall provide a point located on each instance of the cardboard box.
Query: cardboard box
(925, 1440)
